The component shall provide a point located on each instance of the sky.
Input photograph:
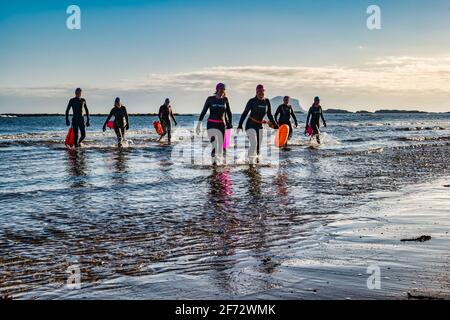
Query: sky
(145, 51)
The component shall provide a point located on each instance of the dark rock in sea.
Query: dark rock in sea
(422, 297)
(420, 239)
(266, 260)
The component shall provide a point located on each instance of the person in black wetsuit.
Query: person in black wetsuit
(315, 114)
(220, 119)
(121, 121)
(77, 105)
(165, 113)
(258, 107)
(283, 115)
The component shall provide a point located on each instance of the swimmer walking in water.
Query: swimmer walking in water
(284, 114)
(258, 107)
(78, 104)
(315, 114)
(165, 113)
(121, 121)
(220, 119)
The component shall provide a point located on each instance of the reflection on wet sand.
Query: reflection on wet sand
(120, 174)
(118, 203)
(260, 202)
(221, 185)
(77, 168)
(282, 187)
(224, 220)
(254, 184)
(78, 180)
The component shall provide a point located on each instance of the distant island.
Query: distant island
(399, 111)
(341, 111)
(336, 111)
(275, 102)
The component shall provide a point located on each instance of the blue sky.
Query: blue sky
(144, 51)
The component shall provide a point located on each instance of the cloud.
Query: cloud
(388, 75)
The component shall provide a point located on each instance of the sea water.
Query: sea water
(137, 213)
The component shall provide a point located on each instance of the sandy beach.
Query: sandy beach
(332, 269)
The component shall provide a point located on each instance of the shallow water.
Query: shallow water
(142, 215)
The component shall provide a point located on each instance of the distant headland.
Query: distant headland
(342, 111)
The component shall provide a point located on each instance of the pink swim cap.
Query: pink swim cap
(260, 87)
(221, 86)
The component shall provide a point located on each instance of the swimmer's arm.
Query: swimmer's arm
(126, 117)
(269, 112)
(172, 116)
(308, 117)
(277, 113)
(87, 112)
(160, 114)
(245, 114)
(294, 117)
(109, 117)
(323, 118)
(205, 109)
(69, 106)
(229, 115)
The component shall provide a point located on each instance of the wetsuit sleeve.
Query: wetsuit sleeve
(160, 114)
(269, 112)
(205, 109)
(293, 116)
(308, 117)
(69, 105)
(109, 117)
(172, 116)
(277, 113)
(321, 115)
(245, 114)
(86, 110)
(229, 115)
(126, 117)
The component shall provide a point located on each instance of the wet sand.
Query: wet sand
(332, 269)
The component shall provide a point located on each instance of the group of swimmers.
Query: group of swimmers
(220, 117)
